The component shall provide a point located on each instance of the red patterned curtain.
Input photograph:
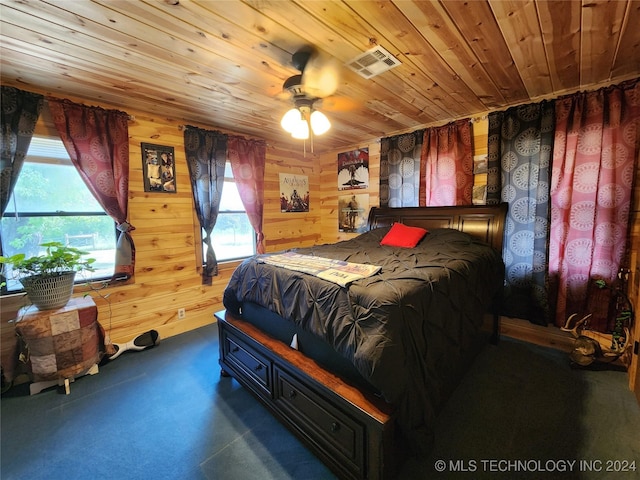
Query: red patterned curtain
(97, 141)
(446, 165)
(594, 155)
(247, 159)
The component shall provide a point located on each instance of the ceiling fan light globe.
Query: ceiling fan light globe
(301, 130)
(291, 119)
(319, 123)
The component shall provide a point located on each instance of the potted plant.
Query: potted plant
(48, 279)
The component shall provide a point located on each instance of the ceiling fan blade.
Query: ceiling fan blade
(339, 104)
(321, 75)
(283, 95)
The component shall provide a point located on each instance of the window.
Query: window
(233, 236)
(51, 203)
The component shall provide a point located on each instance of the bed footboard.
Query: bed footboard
(352, 433)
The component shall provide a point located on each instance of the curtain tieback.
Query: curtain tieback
(125, 227)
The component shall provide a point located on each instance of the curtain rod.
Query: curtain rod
(182, 127)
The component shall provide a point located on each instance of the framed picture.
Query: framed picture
(294, 192)
(158, 168)
(480, 164)
(480, 195)
(352, 212)
(353, 169)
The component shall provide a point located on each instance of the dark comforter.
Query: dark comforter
(405, 329)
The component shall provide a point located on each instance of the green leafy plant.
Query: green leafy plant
(57, 259)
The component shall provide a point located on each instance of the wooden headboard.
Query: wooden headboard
(484, 222)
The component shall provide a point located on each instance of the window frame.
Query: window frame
(53, 160)
(227, 262)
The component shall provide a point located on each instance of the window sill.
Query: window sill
(230, 265)
(12, 296)
(226, 266)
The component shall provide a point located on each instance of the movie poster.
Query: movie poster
(294, 193)
(352, 212)
(353, 169)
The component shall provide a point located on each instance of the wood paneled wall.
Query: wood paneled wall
(167, 239)
(329, 190)
(329, 185)
(291, 229)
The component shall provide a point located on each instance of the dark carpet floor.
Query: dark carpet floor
(165, 413)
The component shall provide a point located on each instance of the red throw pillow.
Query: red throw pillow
(401, 235)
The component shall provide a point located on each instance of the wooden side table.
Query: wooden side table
(63, 344)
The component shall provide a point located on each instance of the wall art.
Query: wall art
(353, 169)
(294, 193)
(158, 168)
(353, 211)
(480, 164)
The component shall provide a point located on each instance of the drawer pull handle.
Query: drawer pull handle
(258, 368)
(292, 394)
(235, 349)
(335, 426)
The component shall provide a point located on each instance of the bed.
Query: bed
(390, 347)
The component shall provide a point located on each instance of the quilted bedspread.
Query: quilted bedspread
(405, 328)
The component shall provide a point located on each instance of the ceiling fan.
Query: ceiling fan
(319, 74)
(319, 78)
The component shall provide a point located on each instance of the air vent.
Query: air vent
(373, 62)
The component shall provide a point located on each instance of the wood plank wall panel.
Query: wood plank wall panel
(329, 190)
(167, 239)
(284, 230)
(329, 183)
(9, 305)
(480, 139)
(166, 234)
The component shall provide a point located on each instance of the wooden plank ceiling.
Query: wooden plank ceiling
(223, 63)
